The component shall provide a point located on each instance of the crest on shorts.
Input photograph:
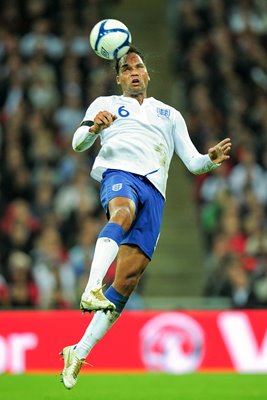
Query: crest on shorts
(163, 112)
(117, 187)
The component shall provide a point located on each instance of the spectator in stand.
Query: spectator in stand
(42, 203)
(23, 291)
(53, 272)
(214, 184)
(241, 290)
(79, 193)
(68, 116)
(247, 173)
(246, 16)
(41, 38)
(18, 229)
(256, 243)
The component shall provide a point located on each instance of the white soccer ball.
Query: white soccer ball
(110, 39)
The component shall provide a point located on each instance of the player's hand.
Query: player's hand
(220, 152)
(102, 120)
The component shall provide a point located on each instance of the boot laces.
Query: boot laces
(99, 294)
(76, 366)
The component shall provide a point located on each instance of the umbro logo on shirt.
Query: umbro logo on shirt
(163, 112)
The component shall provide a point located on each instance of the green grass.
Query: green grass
(136, 387)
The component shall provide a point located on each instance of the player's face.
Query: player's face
(133, 76)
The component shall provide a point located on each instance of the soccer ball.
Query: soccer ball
(110, 39)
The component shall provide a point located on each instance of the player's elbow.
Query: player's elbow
(77, 143)
(77, 147)
(79, 138)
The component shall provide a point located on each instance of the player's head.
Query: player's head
(132, 73)
(132, 49)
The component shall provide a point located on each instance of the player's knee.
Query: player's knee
(123, 216)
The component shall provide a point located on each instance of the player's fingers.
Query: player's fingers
(105, 119)
(109, 117)
(224, 142)
(101, 121)
(226, 148)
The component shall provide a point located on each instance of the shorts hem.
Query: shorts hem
(146, 253)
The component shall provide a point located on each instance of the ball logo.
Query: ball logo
(172, 342)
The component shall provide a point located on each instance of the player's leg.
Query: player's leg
(120, 202)
(122, 213)
(136, 250)
(131, 264)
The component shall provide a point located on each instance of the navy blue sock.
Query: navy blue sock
(116, 298)
(113, 231)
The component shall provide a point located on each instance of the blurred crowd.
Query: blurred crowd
(49, 207)
(220, 61)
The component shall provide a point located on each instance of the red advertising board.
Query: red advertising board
(174, 341)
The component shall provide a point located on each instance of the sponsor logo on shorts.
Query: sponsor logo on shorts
(117, 187)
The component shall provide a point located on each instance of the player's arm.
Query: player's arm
(196, 162)
(83, 139)
(85, 136)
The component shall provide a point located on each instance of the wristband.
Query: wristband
(87, 123)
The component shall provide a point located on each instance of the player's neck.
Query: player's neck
(139, 97)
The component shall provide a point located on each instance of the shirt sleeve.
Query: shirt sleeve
(82, 138)
(195, 162)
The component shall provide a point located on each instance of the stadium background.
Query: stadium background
(206, 58)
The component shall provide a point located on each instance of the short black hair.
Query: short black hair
(132, 49)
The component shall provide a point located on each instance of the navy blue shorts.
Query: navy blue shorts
(149, 202)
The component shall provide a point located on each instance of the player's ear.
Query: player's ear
(118, 80)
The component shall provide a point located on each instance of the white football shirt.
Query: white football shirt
(141, 140)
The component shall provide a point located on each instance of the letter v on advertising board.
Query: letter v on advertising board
(246, 354)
